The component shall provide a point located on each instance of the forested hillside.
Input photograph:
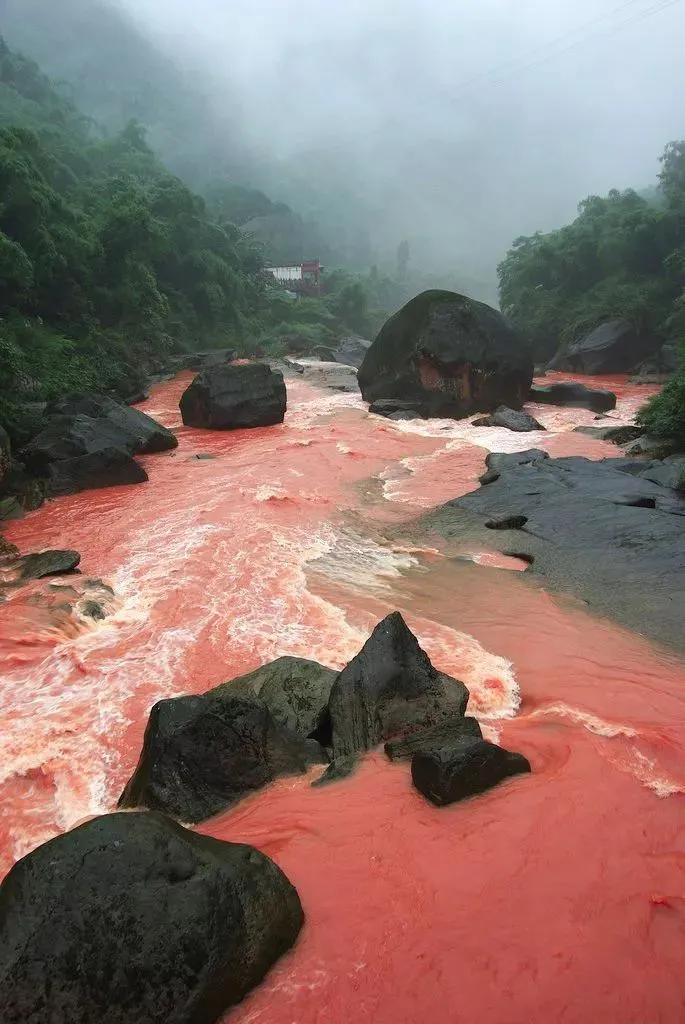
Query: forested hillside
(108, 261)
(623, 256)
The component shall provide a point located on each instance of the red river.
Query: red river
(558, 896)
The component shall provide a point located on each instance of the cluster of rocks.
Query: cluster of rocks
(201, 754)
(133, 919)
(89, 441)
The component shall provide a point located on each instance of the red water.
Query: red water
(558, 896)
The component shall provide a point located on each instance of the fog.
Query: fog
(456, 125)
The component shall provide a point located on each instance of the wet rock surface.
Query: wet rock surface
(512, 419)
(108, 467)
(340, 768)
(234, 396)
(447, 355)
(466, 768)
(143, 435)
(447, 733)
(295, 691)
(574, 396)
(594, 529)
(203, 753)
(615, 346)
(47, 563)
(390, 689)
(132, 919)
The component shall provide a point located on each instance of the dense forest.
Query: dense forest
(109, 262)
(623, 256)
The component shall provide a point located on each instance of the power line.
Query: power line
(550, 43)
(612, 29)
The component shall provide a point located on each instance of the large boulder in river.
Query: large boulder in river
(390, 689)
(573, 395)
(237, 395)
(447, 355)
(131, 919)
(203, 753)
(142, 434)
(466, 768)
(615, 346)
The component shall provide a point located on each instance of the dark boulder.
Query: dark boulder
(131, 919)
(69, 437)
(295, 691)
(390, 689)
(616, 346)
(234, 396)
(351, 351)
(573, 396)
(471, 766)
(143, 435)
(447, 355)
(108, 467)
(512, 419)
(202, 754)
(47, 563)
(393, 409)
(444, 734)
(340, 768)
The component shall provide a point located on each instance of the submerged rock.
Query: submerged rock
(511, 419)
(447, 355)
(389, 689)
(574, 396)
(131, 919)
(232, 396)
(203, 753)
(616, 346)
(450, 773)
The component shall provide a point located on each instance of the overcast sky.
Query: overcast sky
(463, 123)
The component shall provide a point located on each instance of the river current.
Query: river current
(558, 897)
